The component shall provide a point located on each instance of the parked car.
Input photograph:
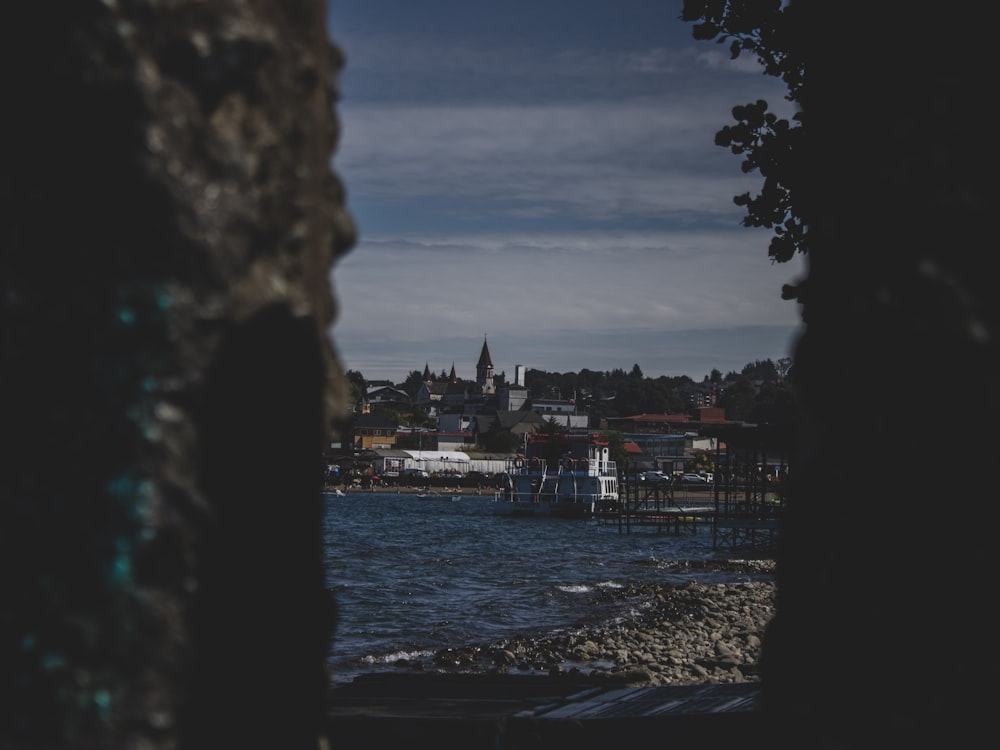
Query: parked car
(653, 476)
(415, 473)
(693, 479)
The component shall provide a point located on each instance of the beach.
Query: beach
(689, 634)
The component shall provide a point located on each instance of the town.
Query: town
(439, 430)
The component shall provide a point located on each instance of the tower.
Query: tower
(519, 376)
(484, 371)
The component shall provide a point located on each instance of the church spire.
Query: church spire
(484, 356)
(427, 373)
(484, 371)
(452, 378)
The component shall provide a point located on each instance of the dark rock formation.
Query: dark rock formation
(171, 218)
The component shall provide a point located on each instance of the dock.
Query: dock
(666, 519)
(739, 517)
(515, 712)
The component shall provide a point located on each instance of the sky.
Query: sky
(542, 175)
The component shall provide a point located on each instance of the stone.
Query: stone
(171, 224)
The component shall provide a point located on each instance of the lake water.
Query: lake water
(412, 575)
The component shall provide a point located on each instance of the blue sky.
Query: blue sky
(543, 174)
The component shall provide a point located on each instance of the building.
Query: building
(484, 372)
(372, 431)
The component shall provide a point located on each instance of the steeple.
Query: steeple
(484, 371)
(484, 357)
(427, 373)
(452, 378)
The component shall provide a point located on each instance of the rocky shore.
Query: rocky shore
(691, 634)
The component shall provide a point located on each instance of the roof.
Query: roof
(383, 390)
(388, 452)
(484, 357)
(508, 419)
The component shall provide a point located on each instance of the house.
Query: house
(454, 441)
(455, 395)
(651, 424)
(430, 396)
(666, 441)
(437, 396)
(512, 397)
(373, 431)
(385, 395)
(420, 438)
(520, 422)
(562, 412)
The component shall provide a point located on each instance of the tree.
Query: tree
(499, 440)
(567, 385)
(551, 426)
(629, 397)
(700, 461)
(767, 143)
(413, 382)
(356, 384)
(763, 371)
(784, 367)
(774, 404)
(408, 441)
(738, 399)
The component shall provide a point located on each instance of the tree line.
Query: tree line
(761, 392)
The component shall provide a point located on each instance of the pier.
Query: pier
(664, 509)
(739, 516)
(741, 508)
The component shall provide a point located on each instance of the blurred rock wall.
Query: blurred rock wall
(170, 221)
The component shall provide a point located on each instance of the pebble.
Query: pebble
(688, 634)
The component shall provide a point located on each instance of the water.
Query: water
(412, 575)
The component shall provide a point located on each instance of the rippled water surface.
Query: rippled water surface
(411, 575)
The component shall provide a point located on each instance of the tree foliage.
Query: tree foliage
(552, 426)
(760, 392)
(356, 386)
(762, 371)
(738, 399)
(767, 143)
(412, 383)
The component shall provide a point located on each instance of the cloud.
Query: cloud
(597, 161)
(542, 291)
(546, 173)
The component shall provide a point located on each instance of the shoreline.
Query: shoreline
(659, 634)
(408, 490)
